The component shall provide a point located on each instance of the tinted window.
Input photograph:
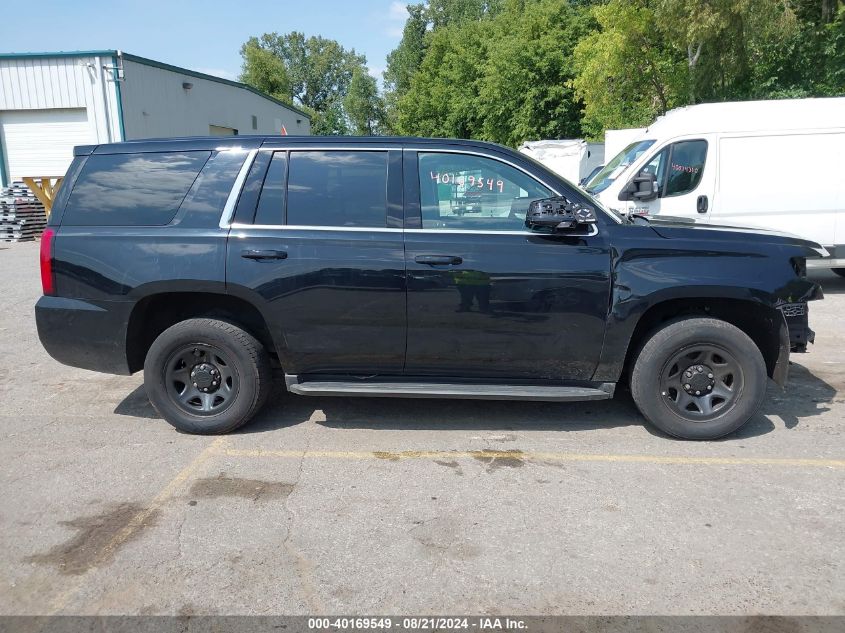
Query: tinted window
(460, 191)
(132, 189)
(271, 204)
(686, 164)
(337, 189)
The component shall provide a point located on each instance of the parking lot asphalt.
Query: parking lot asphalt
(369, 506)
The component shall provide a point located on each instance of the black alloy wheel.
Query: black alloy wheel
(201, 379)
(701, 382)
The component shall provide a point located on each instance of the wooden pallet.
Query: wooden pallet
(22, 214)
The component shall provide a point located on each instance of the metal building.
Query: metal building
(50, 102)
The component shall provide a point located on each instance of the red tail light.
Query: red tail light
(48, 284)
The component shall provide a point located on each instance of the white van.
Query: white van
(762, 164)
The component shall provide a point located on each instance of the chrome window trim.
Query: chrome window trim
(492, 156)
(593, 231)
(240, 226)
(229, 208)
(331, 148)
(302, 227)
(232, 199)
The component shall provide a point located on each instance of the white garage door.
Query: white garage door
(40, 142)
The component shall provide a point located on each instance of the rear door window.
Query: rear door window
(271, 202)
(144, 189)
(337, 188)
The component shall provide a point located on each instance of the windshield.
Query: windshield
(620, 163)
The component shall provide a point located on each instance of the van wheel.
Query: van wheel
(698, 378)
(839, 271)
(206, 376)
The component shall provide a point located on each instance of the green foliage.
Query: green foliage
(625, 73)
(404, 61)
(443, 92)
(525, 90)
(647, 56)
(362, 104)
(447, 12)
(331, 121)
(265, 71)
(810, 62)
(423, 21)
(515, 70)
(314, 73)
(499, 73)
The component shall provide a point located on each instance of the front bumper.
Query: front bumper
(84, 334)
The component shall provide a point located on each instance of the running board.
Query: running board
(450, 390)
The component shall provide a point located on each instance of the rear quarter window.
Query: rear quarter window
(143, 189)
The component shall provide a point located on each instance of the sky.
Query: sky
(206, 36)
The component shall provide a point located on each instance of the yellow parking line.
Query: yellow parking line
(534, 456)
(137, 522)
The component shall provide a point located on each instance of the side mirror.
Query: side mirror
(642, 187)
(560, 214)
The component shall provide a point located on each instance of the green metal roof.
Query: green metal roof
(151, 62)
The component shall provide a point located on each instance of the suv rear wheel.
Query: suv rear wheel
(206, 376)
(698, 378)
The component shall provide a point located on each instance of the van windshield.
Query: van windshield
(620, 163)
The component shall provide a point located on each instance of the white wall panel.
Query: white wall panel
(49, 83)
(156, 105)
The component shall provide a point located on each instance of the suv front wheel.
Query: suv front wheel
(698, 378)
(206, 376)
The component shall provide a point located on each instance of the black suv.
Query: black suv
(403, 267)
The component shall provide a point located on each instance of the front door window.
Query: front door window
(686, 164)
(460, 191)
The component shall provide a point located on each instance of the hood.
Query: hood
(671, 227)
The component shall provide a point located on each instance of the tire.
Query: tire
(839, 271)
(698, 356)
(207, 377)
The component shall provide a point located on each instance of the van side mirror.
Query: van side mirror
(642, 187)
(560, 214)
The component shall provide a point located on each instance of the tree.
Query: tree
(265, 71)
(809, 62)
(319, 72)
(424, 20)
(650, 55)
(448, 12)
(331, 121)
(626, 71)
(363, 105)
(724, 41)
(404, 61)
(443, 97)
(525, 93)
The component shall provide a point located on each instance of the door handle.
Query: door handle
(249, 253)
(442, 260)
(701, 204)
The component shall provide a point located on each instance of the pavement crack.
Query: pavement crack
(179, 536)
(303, 566)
